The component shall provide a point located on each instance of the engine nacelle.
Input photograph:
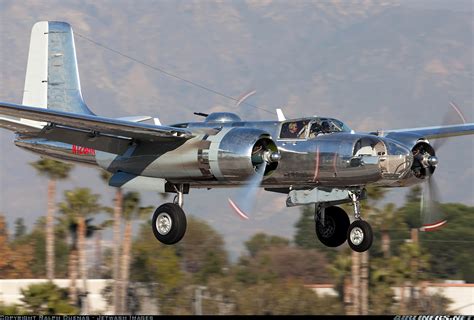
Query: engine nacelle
(424, 157)
(235, 153)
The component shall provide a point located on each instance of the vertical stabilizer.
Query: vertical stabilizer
(52, 76)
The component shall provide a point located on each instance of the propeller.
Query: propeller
(247, 197)
(432, 216)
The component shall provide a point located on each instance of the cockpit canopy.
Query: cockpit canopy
(309, 128)
(222, 117)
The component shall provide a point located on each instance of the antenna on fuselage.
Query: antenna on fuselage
(201, 114)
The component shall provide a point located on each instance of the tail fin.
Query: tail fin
(52, 77)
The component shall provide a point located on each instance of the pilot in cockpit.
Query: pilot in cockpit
(319, 128)
(325, 127)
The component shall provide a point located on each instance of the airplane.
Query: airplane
(315, 160)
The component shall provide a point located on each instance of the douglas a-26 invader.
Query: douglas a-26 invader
(315, 160)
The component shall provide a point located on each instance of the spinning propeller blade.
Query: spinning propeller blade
(248, 195)
(432, 216)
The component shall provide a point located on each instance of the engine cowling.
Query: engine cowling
(235, 153)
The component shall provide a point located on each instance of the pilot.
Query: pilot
(293, 130)
(325, 128)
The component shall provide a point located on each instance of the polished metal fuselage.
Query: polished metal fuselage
(217, 156)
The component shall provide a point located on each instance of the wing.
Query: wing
(105, 134)
(434, 132)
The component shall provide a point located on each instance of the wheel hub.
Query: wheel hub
(327, 230)
(357, 236)
(163, 223)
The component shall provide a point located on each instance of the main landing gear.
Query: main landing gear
(169, 220)
(333, 227)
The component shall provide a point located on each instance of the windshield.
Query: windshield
(323, 126)
(298, 129)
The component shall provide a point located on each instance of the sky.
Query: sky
(372, 64)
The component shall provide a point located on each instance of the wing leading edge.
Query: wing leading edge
(436, 132)
(87, 130)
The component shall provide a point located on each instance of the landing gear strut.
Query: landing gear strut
(169, 220)
(359, 234)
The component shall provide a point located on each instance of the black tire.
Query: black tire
(334, 231)
(173, 223)
(360, 236)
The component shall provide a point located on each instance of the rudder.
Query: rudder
(52, 77)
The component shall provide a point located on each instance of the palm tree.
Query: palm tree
(131, 211)
(54, 170)
(97, 232)
(340, 269)
(80, 205)
(116, 247)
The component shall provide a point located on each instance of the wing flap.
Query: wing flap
(94, 124)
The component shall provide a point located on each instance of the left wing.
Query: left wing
(105, 134)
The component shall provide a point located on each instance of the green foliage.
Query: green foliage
(451, 246)
(381, 294)
(131, 208)
(11, 309)
(340, 270)
(80, 202)
(157, 265)
(430, 304)
(53, 169)
(387, 222)
(285, 297)
(20, 228)
(36, 239)
(280, 262)
(46, 299)
(202, 250)
(262, 241)
(305, 236)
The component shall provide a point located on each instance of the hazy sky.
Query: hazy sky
(374, 65)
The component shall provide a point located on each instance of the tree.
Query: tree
(280, 262)
(117, 221)
(340, 269)
(53, 170)
(20, 228)
(262, 241)
(131, 210)
(450, 247)
(11, 309)
(387, 224)
(15, 260)
(202, 250)
(36, 239)
(285, 297)
(46, 299)
(80, 204)
(159, 267)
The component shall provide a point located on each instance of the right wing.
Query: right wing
(435, 132)
(104, 134)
